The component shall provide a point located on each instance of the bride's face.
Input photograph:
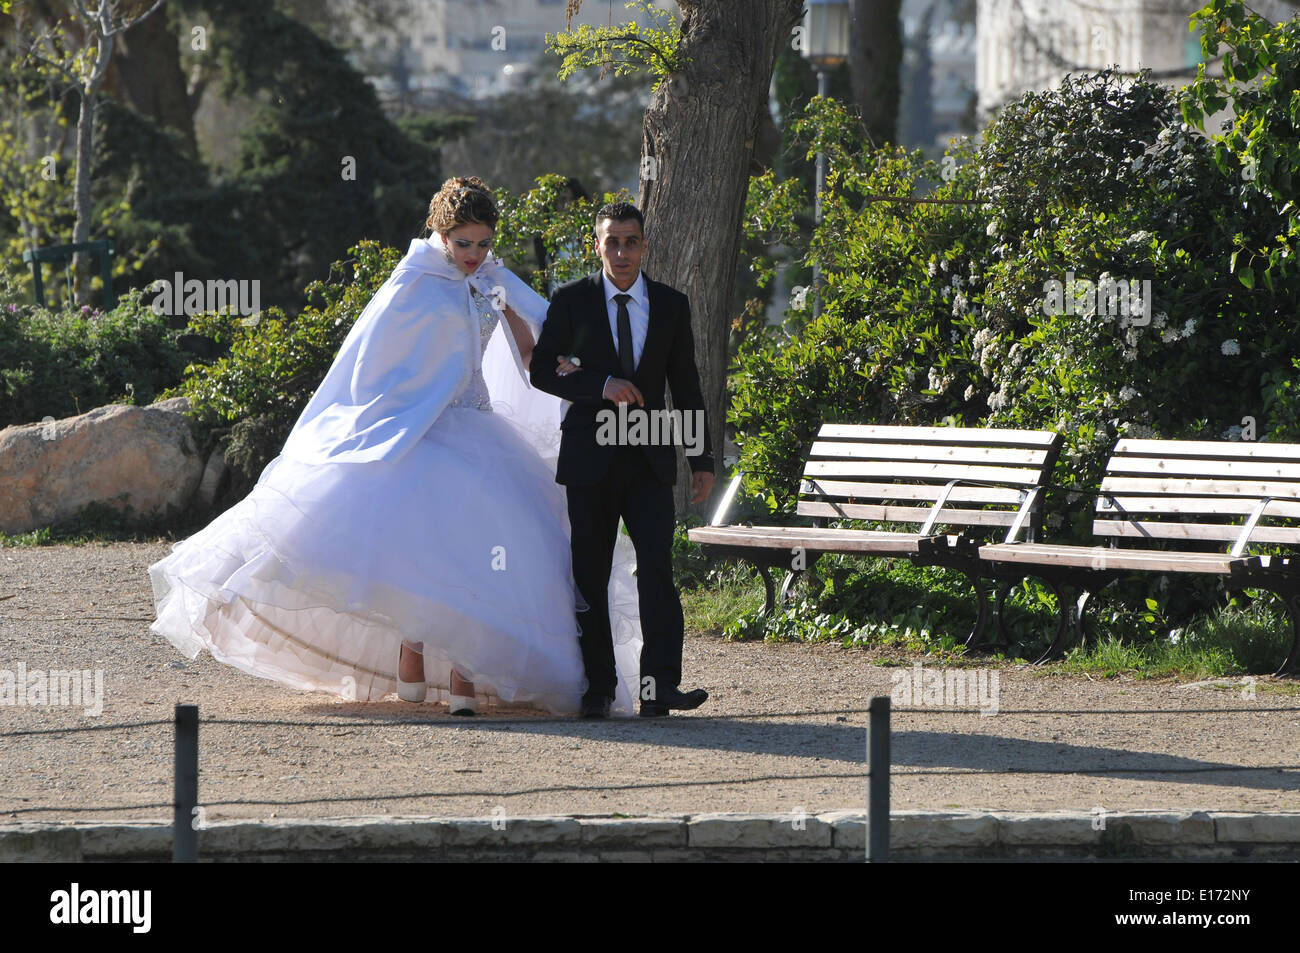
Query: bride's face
(469, 245)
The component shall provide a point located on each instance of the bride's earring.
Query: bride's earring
(446, 251)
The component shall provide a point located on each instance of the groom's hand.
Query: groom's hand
(701, 485)
(622, 392)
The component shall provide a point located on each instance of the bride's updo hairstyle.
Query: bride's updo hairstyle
(464, 200)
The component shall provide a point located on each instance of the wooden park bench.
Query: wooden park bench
(1179, 494)
(931, 479)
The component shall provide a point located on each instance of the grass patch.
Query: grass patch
(1243, 638)
(713, 605)
(893, 604)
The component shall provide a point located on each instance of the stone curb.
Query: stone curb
(835, 835)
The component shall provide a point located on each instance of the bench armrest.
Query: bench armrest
(1027, 501)
(1249, 526)
(1026, 507)
(724, 504)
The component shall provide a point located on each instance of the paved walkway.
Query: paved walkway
(784, 732)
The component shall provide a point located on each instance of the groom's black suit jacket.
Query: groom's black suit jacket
(577, 323)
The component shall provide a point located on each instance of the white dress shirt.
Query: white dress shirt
(638, 312)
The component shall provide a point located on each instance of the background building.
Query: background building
(475, 48)
(1032, 44)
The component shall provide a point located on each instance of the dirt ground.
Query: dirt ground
(784, 730)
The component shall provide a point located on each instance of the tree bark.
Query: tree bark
(875, 56)
(85, 149)
(700, 129)
(146, 74)
(100, 29)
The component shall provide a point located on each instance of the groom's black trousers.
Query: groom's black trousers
(630, 490)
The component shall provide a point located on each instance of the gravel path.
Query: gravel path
(784, 729)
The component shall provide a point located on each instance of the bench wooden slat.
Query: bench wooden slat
(1223, 532)
(1156, 485)
(933, 471)
(938, 454)
(1208, 448)
(909, 491)
(978, 435)
(809, 538)
(950, 515)
(1101, 557)
(1241, 506)
(1180, 467)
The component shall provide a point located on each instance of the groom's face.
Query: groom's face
(620, 246)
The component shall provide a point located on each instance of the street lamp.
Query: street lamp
(825, 46)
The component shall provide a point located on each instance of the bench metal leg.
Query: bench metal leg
(975, 640)
(1087, 594)
(1292, 661)
(769, 590)
(1004, 639)
(815, 584)
(1064, 627)
(786, 585)
(1290, 597)
(1064, 620)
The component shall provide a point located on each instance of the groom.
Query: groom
(630, 336)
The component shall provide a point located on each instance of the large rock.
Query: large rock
(119, 455)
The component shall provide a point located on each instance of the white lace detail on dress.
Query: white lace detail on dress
(475, 393)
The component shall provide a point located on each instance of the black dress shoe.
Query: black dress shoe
(673, 700)
(595, 706)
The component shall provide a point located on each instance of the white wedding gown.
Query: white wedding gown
(462, 542)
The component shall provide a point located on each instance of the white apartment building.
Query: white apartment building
(1032, 44)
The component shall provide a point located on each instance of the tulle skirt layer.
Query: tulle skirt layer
(319, 573)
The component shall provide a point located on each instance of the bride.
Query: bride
(410, 536)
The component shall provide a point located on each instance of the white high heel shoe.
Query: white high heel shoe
(410, 691)
(460, 704)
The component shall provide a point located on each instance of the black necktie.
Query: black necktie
(625, 336)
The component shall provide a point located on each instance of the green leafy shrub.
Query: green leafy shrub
(251, 397)
(946, 313)
(963, 312)
(62, 363)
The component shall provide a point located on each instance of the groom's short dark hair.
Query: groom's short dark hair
(621, 212)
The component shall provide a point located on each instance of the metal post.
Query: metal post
(185, 839)
(106, 274)
(878, 783)
(821, 184)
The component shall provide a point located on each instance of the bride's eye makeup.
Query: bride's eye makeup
(465, 243)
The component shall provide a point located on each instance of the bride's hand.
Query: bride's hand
(564, 366)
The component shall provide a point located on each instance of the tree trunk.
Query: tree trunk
(700, 130)
(81, 196)
(875, 56)
(146, 74)
(89, 90)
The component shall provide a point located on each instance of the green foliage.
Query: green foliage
(320, 165)
(944, 313)
(551, 230)
(869, 602)
(39, 119)
(61, 363)
(1259, 145)
(253, 394)
(626, 48)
